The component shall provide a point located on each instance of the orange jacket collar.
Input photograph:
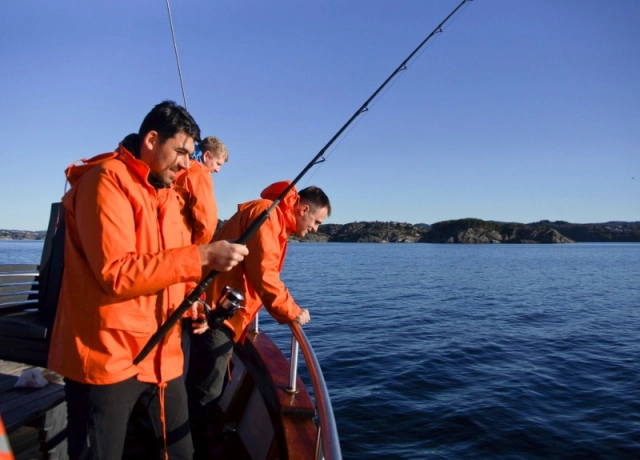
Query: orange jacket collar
(287, 204)
(140, 168)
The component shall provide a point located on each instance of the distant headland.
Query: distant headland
(476, 231)
(461, 231)
(22, 235)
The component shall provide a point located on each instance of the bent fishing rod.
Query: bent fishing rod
(195, 294)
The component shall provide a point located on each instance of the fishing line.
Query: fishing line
(195, 294)
(333, 149)
(438, 31)
(175, 47)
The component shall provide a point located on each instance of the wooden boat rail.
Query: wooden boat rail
(327, 442)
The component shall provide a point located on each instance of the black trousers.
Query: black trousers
(208, 358)
(98, 416)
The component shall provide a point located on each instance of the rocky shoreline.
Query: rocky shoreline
(461, 231)
(476, 231)
(22, 235)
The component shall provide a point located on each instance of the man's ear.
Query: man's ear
(151, 139)
(206, 155)
(304, 208)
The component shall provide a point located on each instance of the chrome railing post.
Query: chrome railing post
(293, 366)
(318, 451)
(254, 324)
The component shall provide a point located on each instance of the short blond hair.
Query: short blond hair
(215, 146)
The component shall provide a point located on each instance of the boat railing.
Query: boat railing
(327, 442)
(18, 286)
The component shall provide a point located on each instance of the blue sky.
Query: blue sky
(519, 111)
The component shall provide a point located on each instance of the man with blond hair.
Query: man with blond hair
(195, 186)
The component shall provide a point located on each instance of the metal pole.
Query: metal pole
(256, 328)
(293, 366)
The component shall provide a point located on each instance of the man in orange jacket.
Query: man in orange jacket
(199, 209)
(127, 259)
(195, 186)
(258, 279)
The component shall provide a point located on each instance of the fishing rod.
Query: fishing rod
(195, 294)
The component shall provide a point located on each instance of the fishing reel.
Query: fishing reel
(227, 305)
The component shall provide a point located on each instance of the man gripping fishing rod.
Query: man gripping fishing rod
(127, 259)
(257, 278)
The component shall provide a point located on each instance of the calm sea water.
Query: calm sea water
(470, 351)
(476, 351)
(20, 252)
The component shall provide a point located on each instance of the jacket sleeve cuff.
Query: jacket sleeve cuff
(186, 263)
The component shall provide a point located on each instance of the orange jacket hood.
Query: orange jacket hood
(287, 204)
(75, 171)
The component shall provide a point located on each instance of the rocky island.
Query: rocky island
(22, 235)
(476, 231)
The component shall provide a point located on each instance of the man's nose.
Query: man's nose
(183, 161)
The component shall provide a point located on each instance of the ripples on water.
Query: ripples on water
(20, 252)
(474, 351)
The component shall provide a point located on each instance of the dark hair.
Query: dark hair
(169, 119)
(315, 197)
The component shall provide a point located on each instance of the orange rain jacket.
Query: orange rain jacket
(127, 257)
(258, 276)
(200, 210)
(5, 447)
